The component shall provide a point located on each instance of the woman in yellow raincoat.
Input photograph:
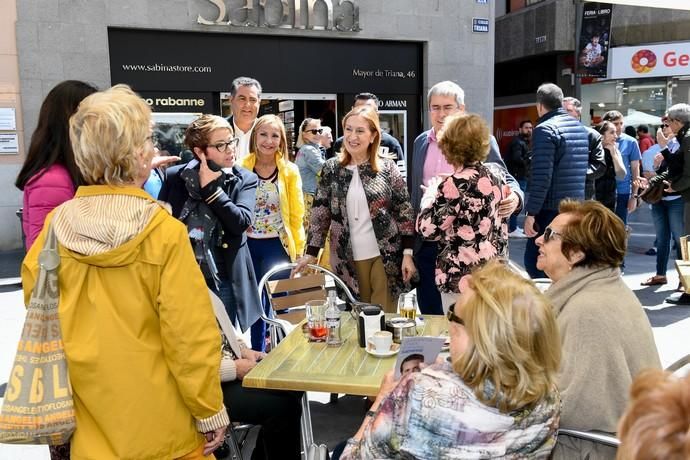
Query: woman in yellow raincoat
(140, 337)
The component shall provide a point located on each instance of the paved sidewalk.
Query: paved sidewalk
(335, 422)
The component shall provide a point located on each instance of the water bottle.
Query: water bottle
(333, 322)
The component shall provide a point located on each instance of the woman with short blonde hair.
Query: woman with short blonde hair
(276, 235)
(495, 397)
(139, 333)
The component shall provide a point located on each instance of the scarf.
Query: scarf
(202, 224)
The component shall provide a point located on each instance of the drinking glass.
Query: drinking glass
(316, 319)
(407, 305)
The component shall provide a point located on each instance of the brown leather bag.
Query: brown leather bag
(654, 193)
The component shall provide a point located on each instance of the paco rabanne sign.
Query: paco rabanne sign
(340, 15)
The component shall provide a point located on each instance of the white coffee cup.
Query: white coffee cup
(382, 341)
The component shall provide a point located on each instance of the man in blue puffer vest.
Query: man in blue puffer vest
(560, 157)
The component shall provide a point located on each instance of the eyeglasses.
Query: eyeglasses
(314, 131)
(222, 147)
(453, 318)
(550, 233)
(443, 108)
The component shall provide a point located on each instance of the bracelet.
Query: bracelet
(370, 413)
(408, 252)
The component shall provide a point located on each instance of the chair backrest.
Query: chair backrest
(293, 293)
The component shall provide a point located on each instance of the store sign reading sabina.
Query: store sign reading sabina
(340, 15)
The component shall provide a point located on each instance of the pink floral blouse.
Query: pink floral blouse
(464, 220)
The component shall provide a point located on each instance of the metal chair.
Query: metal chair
(291, 294)
(287, 296)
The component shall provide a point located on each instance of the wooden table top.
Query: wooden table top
(296, 364)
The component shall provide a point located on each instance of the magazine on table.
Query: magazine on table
(415, 351)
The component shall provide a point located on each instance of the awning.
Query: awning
(673, 4)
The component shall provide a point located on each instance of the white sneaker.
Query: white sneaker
(517, 233)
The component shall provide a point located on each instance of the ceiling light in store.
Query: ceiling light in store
(601, 105)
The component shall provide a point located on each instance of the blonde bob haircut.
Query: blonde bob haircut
(269, 120)
(656, 424)
(199, 131)
(515, 350)
(108, 131)
(372, 118)
(464, 139)
(596, 231)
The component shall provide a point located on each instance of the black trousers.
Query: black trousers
(278, 413)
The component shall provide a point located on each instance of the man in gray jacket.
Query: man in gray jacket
(560, 158)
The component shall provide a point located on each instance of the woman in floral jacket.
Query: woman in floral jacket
(363, 200)
(461, 210)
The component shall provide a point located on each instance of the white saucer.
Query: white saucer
(395, 348)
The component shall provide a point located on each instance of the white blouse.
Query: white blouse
(362, 236)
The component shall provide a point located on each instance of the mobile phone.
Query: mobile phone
(213, 166)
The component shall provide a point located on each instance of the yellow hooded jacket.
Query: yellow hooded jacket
(140, 336)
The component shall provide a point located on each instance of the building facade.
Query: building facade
(535, 43)
(311, 56)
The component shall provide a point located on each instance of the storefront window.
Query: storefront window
(679, 91)
(641, 101)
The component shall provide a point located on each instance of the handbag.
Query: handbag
(654, 193)
(38, 407)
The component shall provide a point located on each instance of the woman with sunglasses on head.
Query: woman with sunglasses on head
(363, 201)
(494, 397)
(460, 211)
(215, 199)
(309, 159)
(277, 233)
(606, 338)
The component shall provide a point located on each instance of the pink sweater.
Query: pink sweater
(42, 193)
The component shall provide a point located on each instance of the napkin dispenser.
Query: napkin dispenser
(371, 319)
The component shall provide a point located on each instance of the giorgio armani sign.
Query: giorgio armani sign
(341, 15)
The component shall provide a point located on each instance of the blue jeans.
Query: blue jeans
(266, 254)
(512, 222)
(622, 207)
(542, 220)
(428, 297)
(668, 221)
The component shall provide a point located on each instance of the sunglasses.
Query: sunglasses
(665, 125)
(314, 131)
(222, 147)
(550, 233)
(453, 318)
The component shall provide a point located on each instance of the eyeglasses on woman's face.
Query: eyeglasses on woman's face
(223, 147)
(453, 318)
(550, 233)
(314, 131)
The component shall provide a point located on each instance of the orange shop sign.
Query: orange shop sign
(642, 61)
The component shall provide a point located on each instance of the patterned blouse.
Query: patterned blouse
(268, 221)
(391, 216)
(433, 415)
(464, 220)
